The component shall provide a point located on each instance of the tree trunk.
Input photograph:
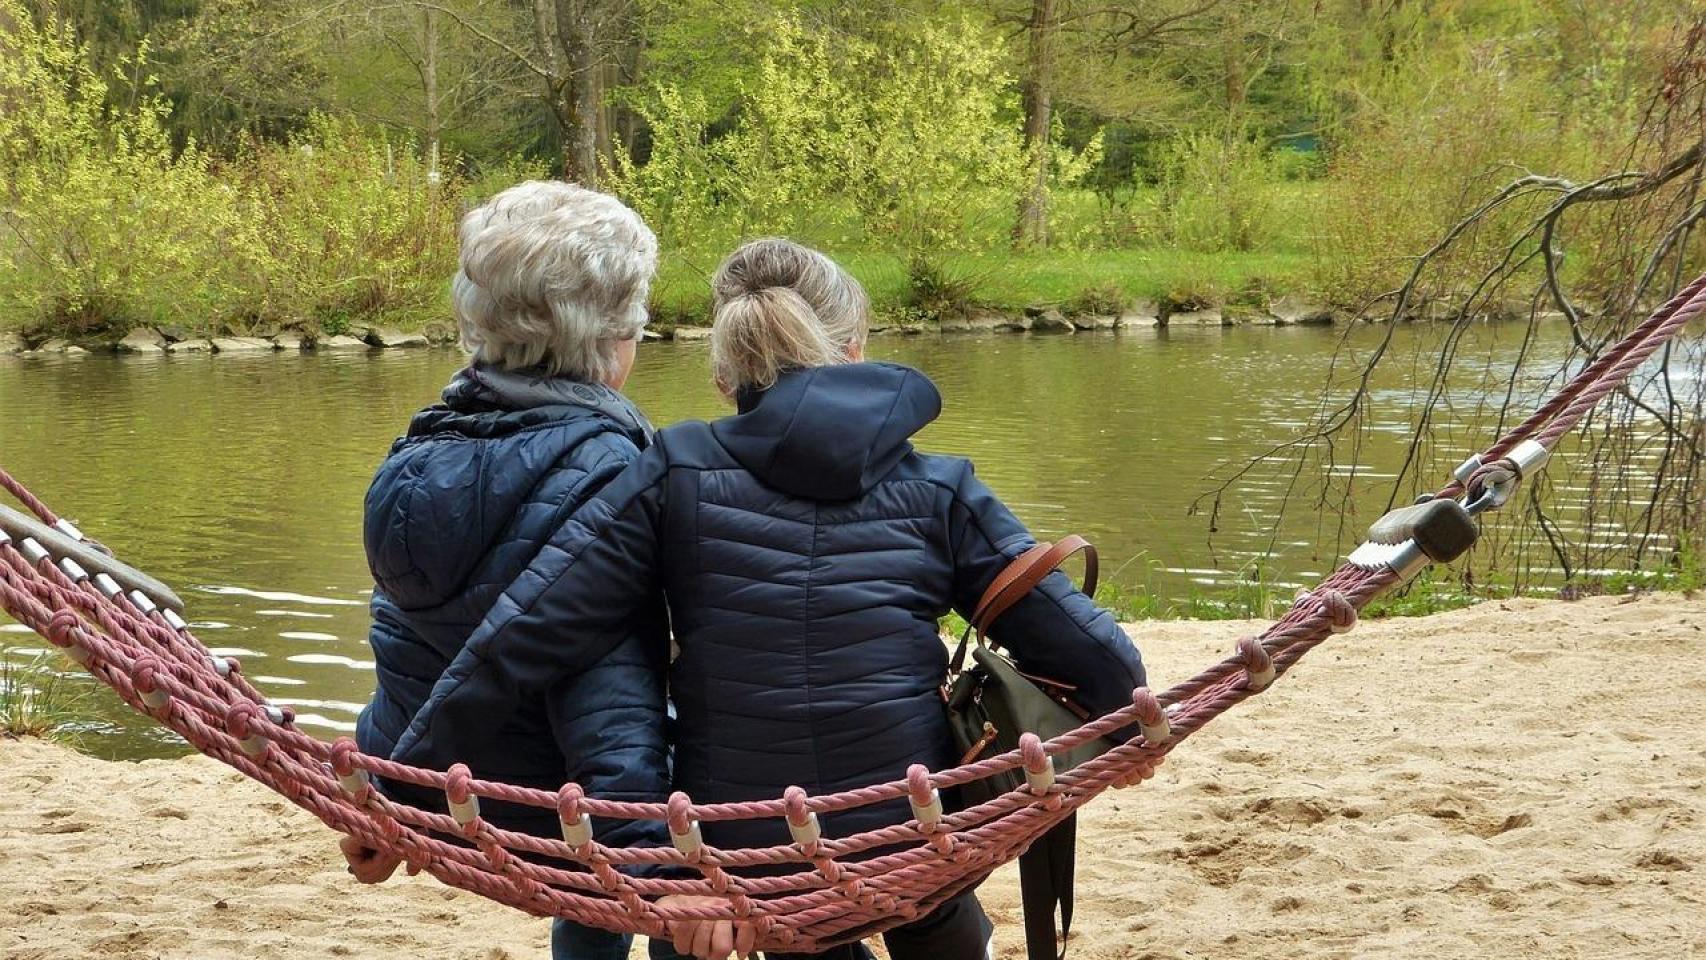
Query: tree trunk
(1232, 54)
(1032, 226)
(606, 114)
(627, 121)
(577, 33)
(559, 86)
(429, 86)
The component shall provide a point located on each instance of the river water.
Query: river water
(239, 479)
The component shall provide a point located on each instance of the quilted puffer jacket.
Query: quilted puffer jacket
(807, 553)
(458, 509)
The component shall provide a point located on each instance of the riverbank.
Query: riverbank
(1132, 316)
(1520, 779)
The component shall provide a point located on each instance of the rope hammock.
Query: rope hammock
(815, 892)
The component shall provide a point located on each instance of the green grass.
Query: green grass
(1007, 280)
(1437, 590)
(37, 699)
(1058, 277)
(1101, 244)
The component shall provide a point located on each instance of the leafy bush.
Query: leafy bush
(350, 226)
(907, 141)
(1070, 170)
(679, 187)
(1439, 134)
(104, 226)
(101, 224)
(945, 169)
(1216, 192)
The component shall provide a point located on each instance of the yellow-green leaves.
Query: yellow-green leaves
(104, 224)
(912, 144)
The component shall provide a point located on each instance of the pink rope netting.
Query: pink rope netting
(839, 888)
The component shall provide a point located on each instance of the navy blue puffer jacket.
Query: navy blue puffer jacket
(807, 552)
(458, 509)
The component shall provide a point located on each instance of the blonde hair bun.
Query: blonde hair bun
(779, 306)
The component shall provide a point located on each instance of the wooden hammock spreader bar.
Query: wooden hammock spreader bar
(74, 552)
(838, 889)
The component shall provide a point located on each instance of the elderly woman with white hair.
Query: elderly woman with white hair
(551, 301)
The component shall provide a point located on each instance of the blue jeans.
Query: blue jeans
(572, 941)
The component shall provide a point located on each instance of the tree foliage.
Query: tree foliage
(103, 220)
(1343, 131)
(105, 224)
(909, 142)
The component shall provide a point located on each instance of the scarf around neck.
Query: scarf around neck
(527, 389)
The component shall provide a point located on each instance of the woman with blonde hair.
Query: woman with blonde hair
(807, 552)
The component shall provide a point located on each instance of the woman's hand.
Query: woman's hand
(367, 864)
(704, 939)
(1138, 776)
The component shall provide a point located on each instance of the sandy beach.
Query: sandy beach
(1522, 779)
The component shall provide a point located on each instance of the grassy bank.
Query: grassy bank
(1437, 590)
(108, 225)
(1009, 281)
(339, 232)
(332, 291)
(1003, 280)
(1109, 251)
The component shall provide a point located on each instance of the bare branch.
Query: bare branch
(475, 30)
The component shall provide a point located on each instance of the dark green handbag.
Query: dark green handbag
(991, 702)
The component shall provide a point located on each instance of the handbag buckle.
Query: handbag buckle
(982, 744)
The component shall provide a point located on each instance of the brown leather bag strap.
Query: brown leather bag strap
(1020, 567)
(1024, 573)
(1018, 579)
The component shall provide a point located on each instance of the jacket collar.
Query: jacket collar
(481, 389)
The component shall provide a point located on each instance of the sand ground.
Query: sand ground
(1523, 779)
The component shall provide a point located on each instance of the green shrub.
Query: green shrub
(936, 291)
(351, 229)
(1439, 134)
(1194, 287)
(1217, 192)
(102, 225)
(1103, 299)
(906, 145)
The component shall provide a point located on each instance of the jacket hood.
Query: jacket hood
(476, 392)
(830, 433)
(445, 497)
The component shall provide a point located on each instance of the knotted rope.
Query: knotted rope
(810, 894)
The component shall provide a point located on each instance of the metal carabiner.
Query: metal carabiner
(1498, 484)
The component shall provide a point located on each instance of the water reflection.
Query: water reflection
(279, 595)
(242, 482)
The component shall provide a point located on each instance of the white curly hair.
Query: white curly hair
(552, 276)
